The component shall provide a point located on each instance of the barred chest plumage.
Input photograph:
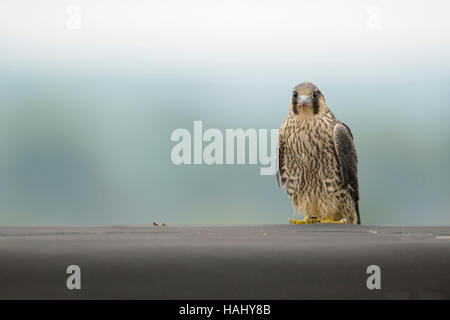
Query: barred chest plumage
(313, 152)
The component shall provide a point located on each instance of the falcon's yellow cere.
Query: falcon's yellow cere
(317, 161)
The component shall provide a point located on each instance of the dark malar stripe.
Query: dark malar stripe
(316, 106)
(294, 104)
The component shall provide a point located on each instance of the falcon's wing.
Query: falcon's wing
(281, 156)
(348, 160)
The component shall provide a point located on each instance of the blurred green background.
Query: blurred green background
(87, 112)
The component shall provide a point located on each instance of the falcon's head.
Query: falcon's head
(307, 100)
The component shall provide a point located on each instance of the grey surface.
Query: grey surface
(225, 262)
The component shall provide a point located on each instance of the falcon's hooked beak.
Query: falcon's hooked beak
(304, 101)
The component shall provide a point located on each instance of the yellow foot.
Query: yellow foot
(305, 221)
(313, 220)
(333, 221)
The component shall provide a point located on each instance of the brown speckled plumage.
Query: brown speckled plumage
(317, 161)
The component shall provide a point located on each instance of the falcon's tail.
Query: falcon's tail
(357, 212)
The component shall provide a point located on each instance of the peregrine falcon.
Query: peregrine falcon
(317, 161)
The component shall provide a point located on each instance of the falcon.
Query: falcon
(317, 161)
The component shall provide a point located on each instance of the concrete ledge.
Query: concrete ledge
(225, 262)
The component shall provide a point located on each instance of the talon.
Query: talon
(313, 220)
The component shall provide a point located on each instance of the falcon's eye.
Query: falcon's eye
(295, 94)
(315, 94)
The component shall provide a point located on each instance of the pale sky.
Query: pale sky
(233, 32)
